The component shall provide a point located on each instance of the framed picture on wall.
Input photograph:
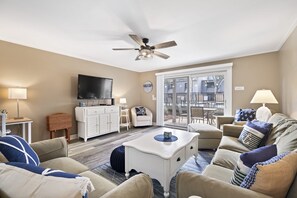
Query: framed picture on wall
(148, 86)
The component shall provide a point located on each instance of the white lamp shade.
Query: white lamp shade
(264, 96)
(17, 93)
(123, 101)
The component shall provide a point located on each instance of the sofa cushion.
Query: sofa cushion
(280, 123)
(232, 144)
(274, 176)
(205, 131)
(253, 133)
(23, 183)
(100, 184)
(247, 160)
(218, 172)
(140, 111)
(245, 114)
(225, 158)
(16, 149)
(65, 164)
(287, 141)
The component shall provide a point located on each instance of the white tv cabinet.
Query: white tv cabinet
(96, 120)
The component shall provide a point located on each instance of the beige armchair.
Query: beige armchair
(141, 120)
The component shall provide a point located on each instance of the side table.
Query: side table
(23, 122)
(124, 118)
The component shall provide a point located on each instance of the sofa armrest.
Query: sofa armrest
(220, 120)
(135, 187)
(50, 149)
(188, 184)
(232, 130)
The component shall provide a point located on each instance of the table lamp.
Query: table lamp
(123, 102)
(17, 93)
(264, 96)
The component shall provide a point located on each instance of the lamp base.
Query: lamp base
(263, 114)
(18, 118)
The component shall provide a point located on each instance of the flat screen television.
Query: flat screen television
(91, 87)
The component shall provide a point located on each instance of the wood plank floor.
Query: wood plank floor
(96, 151)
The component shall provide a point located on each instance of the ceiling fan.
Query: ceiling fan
(146, 51)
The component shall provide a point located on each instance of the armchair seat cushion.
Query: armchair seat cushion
(65, 164)
(143, 118)
(232, 144)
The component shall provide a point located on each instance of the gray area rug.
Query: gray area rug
(204, 158)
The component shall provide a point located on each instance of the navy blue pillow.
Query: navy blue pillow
(16, 149)
(140, 111)
(42, 171)
(260, 154)
(245, 114)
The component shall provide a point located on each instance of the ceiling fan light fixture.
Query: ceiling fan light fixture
(145, 54)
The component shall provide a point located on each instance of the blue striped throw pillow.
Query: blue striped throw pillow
(247, 160)
(253, 133)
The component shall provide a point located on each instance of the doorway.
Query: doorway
(179, 92)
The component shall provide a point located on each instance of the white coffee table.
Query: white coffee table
(160, 160)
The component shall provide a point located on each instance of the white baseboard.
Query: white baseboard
(73, 137)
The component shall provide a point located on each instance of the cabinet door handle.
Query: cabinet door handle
(178, 159)
(191, 147)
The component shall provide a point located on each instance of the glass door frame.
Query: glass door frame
(220, 68)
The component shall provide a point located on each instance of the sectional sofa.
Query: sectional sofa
(215, 180)
(53, 154)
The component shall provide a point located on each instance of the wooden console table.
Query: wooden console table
(23, 122)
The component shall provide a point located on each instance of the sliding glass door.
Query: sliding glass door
(207, 92)
(183, 94)
(185, 97)
(176, 101)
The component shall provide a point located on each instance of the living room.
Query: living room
(51, 77)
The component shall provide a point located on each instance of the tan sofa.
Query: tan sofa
(53, 154)
(215, 180)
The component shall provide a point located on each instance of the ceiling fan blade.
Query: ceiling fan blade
(125, 49)
(164, 45)
(137, 58)
(161, 55)
(137, 39)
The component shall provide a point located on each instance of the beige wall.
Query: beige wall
(51, 80)
(288, 64)
(252, 72)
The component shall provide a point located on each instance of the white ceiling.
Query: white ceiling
(204, 30)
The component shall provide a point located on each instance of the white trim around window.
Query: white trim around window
(226, 68)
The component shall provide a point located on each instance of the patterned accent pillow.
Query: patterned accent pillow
(274, 176)
(247, 160)
(245, 114)
(253, 133)
(16, 149)
(140, 111)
